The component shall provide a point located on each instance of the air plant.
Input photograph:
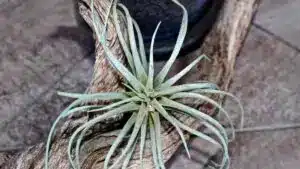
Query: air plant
(149, 98)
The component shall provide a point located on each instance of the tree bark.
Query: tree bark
(222, 45)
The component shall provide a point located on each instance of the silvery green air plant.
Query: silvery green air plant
(149, 98)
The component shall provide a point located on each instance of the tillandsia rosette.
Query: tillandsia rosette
(148, 100)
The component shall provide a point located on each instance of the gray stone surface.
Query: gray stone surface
(33, 66)
(32, 125)
(282, 18)
(267, 80)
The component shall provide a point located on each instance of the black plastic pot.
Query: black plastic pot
(147, 13)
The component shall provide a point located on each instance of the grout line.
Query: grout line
(289, 44)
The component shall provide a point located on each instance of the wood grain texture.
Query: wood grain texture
(222, 45)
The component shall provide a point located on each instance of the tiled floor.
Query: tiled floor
(268, 82)
(282, 19)
(33, 67)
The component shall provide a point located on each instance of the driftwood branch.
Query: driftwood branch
(222, 45)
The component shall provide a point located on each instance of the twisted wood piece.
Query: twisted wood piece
(222, 45)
